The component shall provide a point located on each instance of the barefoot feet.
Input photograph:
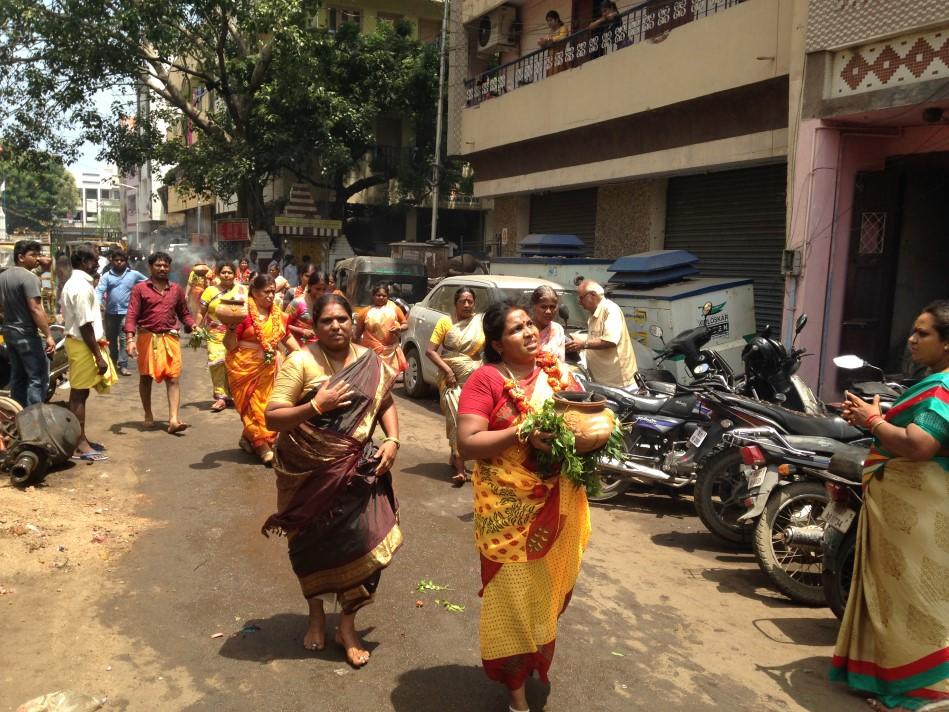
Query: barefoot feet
(348, 640)
(315, 637)
(174, 427)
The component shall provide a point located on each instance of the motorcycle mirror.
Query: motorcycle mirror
(706, 308)
(656, 331)
(849, 362)
(801, 323)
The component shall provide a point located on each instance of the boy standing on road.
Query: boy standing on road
(23, 319)
(155, 307)
(115, 291)
(89, 367)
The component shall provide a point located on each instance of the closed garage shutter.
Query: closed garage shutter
(733, 222)
(569, 212)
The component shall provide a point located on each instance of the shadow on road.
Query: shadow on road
(805, 681)
(280, 637)
(460, 688)
(798, 631)
(656, 504)
(703, 541)
(213, 460)
(136, 425)
(440, 471)
(747, 583)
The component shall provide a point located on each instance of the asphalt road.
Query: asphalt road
(663, 615)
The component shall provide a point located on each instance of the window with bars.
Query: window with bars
(872, 233)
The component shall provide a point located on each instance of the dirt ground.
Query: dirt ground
(145, 580)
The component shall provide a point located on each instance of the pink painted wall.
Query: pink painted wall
(827, 162)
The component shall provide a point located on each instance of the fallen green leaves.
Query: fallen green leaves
(450, 607)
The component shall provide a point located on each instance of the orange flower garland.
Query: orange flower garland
(268, 344)
(551, 366)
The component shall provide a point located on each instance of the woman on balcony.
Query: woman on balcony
(558, 33)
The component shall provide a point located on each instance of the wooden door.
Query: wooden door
(871, 266)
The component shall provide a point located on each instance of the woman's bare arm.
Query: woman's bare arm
(911, 442)
(476, 442)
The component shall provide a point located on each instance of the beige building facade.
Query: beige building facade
(670, 128)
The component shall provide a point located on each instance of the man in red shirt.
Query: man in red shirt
(155, 307)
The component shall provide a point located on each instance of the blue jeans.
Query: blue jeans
(29, 367)
(115, 333)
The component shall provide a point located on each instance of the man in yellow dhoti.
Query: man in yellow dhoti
(89, 362)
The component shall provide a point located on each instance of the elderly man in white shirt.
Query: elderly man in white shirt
(609, 350)
(86, 345)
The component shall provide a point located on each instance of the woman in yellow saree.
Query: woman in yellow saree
(455, 347)
(894, 636)
(227, 288)
(530, 531)
(334, 491)
(252, 363)
(378, 327)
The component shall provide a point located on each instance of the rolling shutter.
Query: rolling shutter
(568, 212)
(733, 222)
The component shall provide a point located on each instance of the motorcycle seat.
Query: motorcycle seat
(818, 444)
(848, 463)
(646, 404)
(639, 401)
(827, 426)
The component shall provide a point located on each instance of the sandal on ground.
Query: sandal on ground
(338, 638)
(512, 708)
(218, 405)
(459, 480)
(98, 447)
(266, 455)
(94, 456)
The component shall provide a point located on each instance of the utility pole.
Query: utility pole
(442, 52)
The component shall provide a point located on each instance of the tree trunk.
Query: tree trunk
(250, 205)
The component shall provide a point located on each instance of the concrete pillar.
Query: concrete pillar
(411, 225)
(510, 217)
(630, 217)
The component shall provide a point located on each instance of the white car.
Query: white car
(421, 374)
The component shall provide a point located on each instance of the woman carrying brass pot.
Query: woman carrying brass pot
(227, 289)
(530, 531)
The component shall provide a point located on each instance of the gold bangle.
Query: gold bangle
(316, 406)
(390, 439)
(877, 425)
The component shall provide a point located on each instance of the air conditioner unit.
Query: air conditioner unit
(496, 30)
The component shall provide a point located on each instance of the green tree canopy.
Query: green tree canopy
(257, 85)
(39, 190)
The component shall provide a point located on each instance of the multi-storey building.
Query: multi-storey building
(667, 126)
(869, 224)
(99, 208)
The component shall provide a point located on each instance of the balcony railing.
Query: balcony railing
(648, 21)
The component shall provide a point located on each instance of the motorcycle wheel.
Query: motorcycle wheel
(611, 487)
(8, 411)
(719, 493)
(795, 572)
(837, 582)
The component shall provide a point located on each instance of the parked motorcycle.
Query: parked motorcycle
(844, 486)
(58, 365)
(786, 502)
(671, 428)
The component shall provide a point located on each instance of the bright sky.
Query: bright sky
(87, 160)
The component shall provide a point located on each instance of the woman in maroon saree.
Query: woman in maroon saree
(334, 491)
